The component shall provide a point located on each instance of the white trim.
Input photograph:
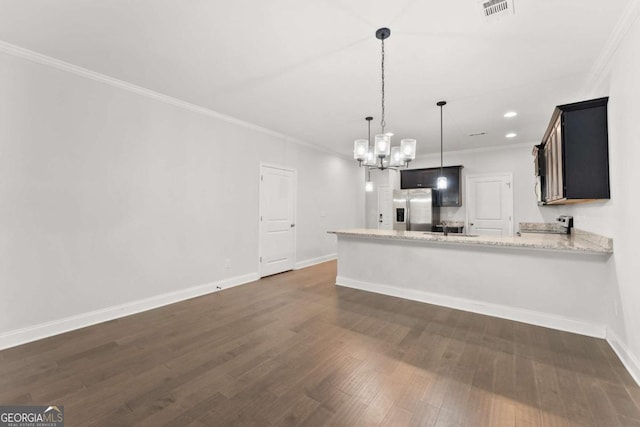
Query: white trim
(628, 359)
(59, 326)
(427, 156)
(39, 58)
(294, 171)
(518, 314)
(509, 176)
(380, 210)
(601, 68)
(314, 261)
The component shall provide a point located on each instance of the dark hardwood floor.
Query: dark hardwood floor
(293, 349)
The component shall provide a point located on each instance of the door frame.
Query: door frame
(508, 175)
(295, 210)
(390, 188)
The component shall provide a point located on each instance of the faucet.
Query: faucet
(566, 223)
(445, 229)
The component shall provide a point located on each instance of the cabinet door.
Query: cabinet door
(554, 171)
(550, 182)
(554, 166)
(429, 177)
(409, 179)
(451, 196)
(559, 157)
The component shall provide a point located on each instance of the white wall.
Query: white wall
(108, 196)
(526, 285)
(618, 217)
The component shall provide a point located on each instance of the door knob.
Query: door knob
(471, 224)
(293, 225)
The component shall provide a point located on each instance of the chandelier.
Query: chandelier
(382, 155)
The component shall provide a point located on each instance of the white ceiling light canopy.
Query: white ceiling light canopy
(384, 155)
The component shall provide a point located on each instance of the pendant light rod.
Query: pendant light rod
(368, 119)
(382, 34)
(441, 104)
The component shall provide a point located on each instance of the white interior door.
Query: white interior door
(490, 204)
(277, 220)
(384, 207)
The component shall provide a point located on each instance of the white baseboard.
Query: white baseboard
(518, 314)
(314, 261)
(55, 327)
(628, 359)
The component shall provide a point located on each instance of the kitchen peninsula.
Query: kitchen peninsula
(552, 280)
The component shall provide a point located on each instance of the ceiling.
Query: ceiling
(311, 69)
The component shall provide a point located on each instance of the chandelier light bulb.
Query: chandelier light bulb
(370, 158)
(382, 145)
(397, 159)
(408, 148)
(360, 147)
(442, 183)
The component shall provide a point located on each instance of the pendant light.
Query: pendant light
(369, 159)
(442, 180)
(368, 185)
(384, 156)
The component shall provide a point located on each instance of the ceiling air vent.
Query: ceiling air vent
(496, 8)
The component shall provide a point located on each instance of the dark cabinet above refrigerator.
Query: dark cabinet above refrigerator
(427, 178)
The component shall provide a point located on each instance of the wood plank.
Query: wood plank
(294, 349)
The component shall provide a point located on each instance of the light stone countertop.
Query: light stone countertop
(578, 241)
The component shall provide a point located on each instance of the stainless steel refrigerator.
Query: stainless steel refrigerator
(413, 210)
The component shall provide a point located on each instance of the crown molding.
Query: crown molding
(601, 69)
(39, 58)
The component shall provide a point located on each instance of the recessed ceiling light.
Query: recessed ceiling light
(510, 114)
(511, 135)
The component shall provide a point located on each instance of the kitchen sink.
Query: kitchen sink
(440, 233)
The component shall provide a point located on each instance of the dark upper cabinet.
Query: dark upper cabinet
(573, 158)
(427, 178)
